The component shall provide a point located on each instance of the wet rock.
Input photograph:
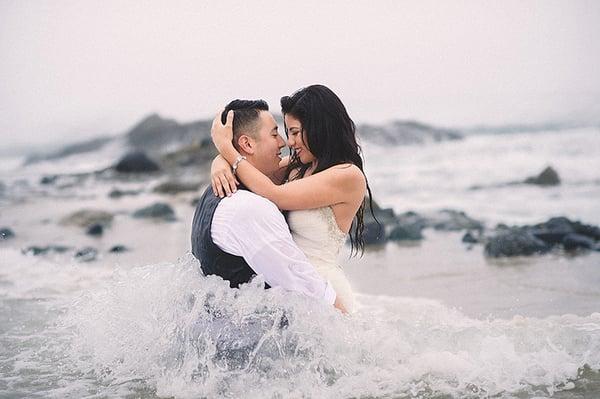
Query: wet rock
(47, 180)
(411, 218)
(556, 232)
(374, 233)
(95, 230)
(6, 233)
(195, 154)
(117, 249)
(548, 177)
(39, 250)
(385, 216)
(587, 230)
(515, 242)
(469, 238)
(157, 210)
(86, 254)
(409, 232)
(175, 187)
(405, 132)
(136, 162)
(116, 193)
(575, 241)
(154, 133)
(553, 231)
(88, 217)
(194, 201)
(451, 220)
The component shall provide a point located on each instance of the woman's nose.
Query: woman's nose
(290, 141)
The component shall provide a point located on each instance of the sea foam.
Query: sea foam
(168, 330)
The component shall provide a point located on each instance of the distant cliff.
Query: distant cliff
(157, 135)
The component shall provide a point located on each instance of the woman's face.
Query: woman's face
(297, 139)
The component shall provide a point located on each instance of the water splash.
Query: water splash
(166, 329)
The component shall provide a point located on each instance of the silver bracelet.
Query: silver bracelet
(239, 159)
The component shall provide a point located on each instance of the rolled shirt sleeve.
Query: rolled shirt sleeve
(252, 227)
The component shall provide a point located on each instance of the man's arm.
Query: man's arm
(252, 227)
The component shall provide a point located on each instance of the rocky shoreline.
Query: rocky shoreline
(170, 159)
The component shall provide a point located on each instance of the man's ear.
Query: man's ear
(247, 144)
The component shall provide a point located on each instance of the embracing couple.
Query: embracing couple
(238, 229)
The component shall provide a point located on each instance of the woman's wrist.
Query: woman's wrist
(229, 153)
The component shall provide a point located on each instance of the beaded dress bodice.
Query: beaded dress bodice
(318, 235)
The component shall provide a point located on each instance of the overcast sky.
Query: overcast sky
(76, 69)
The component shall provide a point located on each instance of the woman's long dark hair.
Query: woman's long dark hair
(330, 135)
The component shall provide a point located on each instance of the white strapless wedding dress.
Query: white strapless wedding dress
(317, 234)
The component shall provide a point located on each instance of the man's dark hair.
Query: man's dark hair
(246, 114)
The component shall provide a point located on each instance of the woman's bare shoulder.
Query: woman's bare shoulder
(349, 175)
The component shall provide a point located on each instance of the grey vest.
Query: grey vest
(212, 259)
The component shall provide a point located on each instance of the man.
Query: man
(244, 234)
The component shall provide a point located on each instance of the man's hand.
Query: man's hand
(339, 306)
(222, 135)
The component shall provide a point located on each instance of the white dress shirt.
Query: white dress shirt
(252, 227)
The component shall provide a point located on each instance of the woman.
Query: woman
(324, 187)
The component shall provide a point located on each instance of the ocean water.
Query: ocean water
(164, 330)
(435, 319)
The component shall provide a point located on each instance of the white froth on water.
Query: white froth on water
(166, 329)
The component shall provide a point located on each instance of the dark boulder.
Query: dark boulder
(47, 180)
(38, 250)
(194, 155)
(407, 232)
(6, 233)
(574, 241)
(374, 233)
(95, 230)
(383, 215)
(88, 217)
(86, 254)
(157, 210)
(117, 249)
(116, 193)
(548, 177)
(175, 187)
(136, 162)
(556, 229)
(469, 238)
(411, 218)
(155, 133)
(515, 242)
(587, 230)
(452, 220)
(194, 202)
(553, 231)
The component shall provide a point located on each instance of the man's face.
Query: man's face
(268, 145)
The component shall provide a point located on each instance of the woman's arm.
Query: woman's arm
(338, 184)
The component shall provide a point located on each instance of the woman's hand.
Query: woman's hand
(221, 178)
(222, 135)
